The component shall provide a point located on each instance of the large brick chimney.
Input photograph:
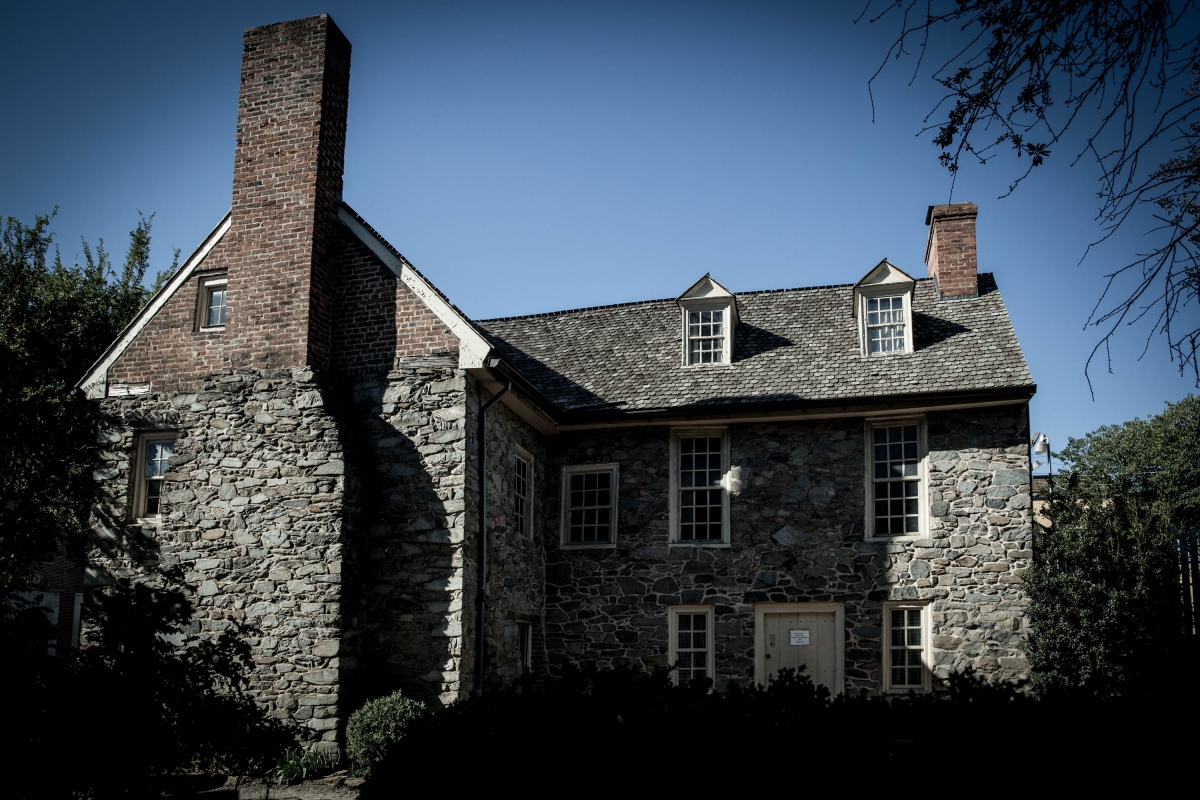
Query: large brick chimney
(287, 184)
(950, 250)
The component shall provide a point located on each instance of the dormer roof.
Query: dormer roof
(884, 275)
(707, 290)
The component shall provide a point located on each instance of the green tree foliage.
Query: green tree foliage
(55, 320)
(1105, 588)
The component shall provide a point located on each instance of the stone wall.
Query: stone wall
(797, 534)
(516, 562)
(251, 514)
(407, 564)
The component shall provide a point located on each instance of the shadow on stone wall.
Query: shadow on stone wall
(403, 535)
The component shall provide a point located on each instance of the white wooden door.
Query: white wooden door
(803, 638)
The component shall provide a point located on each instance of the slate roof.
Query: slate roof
(793, 345)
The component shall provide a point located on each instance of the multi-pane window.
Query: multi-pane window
(691, 646)
(706, 337)
(213, 295)
(906, 648)
(590, 505)
(523, 495)
(896, 480)
(155, 453)
(701, 496)
(885, 324)
(216, 306)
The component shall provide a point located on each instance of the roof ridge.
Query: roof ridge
(629, 303)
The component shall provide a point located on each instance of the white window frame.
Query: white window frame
(923, 519)
(926, 647)
(878, 294)
(138, 475)
(727, 344)
(726, 469)
(673, 613)
(565, 516)
(207, 284)
(520, 454)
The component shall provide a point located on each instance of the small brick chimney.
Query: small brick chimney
(950, 250)
(287, 185)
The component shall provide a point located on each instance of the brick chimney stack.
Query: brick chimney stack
(287, 186)
(950, 249)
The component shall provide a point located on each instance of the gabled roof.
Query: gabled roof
(794, 346)
(884, 275)
(706, 290)
(94, 383)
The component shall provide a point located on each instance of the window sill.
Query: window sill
(706, 545)
(908, 537)
(723, 364)
(588, 545)
(148, 521)
(213, 329)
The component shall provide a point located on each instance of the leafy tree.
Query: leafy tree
(55, 320)
(1123, 73)
(1105, 587)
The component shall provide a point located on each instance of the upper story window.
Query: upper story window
(522, 489)
(709, 316)
(886, 325)
(153, 455)
(210, 308)
(883, 307)
(589, 505)
(699, 497)
(896, 467)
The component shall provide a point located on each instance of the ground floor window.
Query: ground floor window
(691, 650)
(524, 648)
(906, 643)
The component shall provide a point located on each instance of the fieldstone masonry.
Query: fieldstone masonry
(797, 535)
(251, 512)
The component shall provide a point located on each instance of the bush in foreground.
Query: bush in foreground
(377, 726)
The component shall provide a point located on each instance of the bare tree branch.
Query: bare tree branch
(1126, 71)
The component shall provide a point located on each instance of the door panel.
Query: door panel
(819, 656)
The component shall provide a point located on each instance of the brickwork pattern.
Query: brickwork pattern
(797, 534)
(950, 254)
(379, 318)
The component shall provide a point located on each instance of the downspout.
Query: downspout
(481, 585)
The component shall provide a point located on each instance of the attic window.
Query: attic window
(885, 325)
(210, 303)
(710, 314)
(706, 337)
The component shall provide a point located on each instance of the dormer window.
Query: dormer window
(886, 324)
(883, 307)
(706, 337)
(709, 317)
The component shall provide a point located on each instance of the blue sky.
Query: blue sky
(537, 156)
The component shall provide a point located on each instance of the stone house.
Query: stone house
(331, 454)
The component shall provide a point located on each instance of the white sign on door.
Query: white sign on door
(799, 637)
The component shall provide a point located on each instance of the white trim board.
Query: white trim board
(473, 348)
(95, 383)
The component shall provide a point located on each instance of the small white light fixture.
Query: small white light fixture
(1041, 444)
